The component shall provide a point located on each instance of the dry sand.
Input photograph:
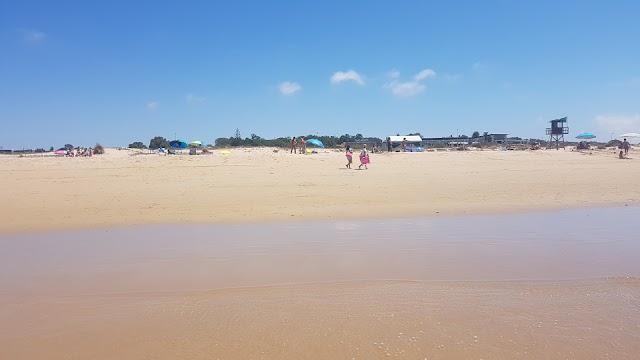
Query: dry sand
(250, 185)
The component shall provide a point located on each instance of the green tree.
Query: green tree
(223, 142)
(68, 147)
(475, 135)
(137, 145)
(158, 142)
(51, 148)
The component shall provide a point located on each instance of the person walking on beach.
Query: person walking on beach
(349, 155)
(625, 147)
(293, 145)
(389, 144)
(404, 144)
(364, 157)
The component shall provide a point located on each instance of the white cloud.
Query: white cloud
(619, 123)
(426, 73)
(350, 75)
(152, 105)
(289, 88)
(405, 89)
(409, 88)
(33, 36)
(194, 99)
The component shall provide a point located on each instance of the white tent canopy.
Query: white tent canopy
(630, 135)
(410, 138)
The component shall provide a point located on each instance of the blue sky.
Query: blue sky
(122, 71)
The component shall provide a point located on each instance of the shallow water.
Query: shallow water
(540, 285)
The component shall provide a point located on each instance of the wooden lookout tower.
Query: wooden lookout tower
(557, 131)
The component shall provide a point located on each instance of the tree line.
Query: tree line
(255, 140)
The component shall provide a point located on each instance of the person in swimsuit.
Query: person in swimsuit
(349, 155)
(303, 145)
(293, 145)
(364, 157)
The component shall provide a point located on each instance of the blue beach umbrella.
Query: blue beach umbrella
(585, 136)
(315, 142)
(178, 144)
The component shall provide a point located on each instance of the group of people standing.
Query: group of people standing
(390, 145)
(302, 145)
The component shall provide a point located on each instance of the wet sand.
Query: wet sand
(255, 185)
(531, 286)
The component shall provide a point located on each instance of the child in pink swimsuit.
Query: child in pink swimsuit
(364, 157)
(349, 156)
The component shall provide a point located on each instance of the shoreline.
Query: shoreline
(303, 220)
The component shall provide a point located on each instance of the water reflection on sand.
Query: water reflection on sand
(541, 285)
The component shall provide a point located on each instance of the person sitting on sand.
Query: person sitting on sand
(364, 157)
(293, 145)
(621, 155)
(349, 155)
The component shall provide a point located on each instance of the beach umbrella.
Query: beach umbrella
(586, 136)
(195, 143)
(630, 136)
(315, 142)
(178, 144)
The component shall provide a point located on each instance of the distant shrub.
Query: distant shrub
(98, 149)
(137, 145)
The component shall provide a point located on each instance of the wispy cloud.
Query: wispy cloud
(452, 77)
(479, 67)
(33, 36)
(618, 123)
(405, 89)
(409, 88)
(152, 105)
(289, 88)
(195, 99)
(426, 73)
(394, 74)
(350, 75)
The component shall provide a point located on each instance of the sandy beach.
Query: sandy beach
(127, 187)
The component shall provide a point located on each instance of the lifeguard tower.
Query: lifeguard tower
(557, 131)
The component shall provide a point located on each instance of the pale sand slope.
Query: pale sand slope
(118, 189)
